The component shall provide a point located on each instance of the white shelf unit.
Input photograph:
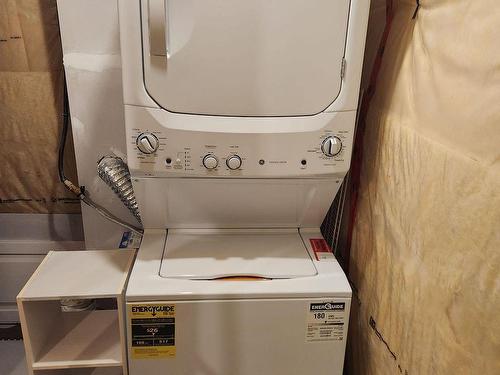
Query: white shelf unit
(76, 343)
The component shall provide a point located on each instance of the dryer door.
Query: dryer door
(244, 58)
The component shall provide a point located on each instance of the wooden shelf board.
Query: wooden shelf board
(86, 274)
(81, 371)
(55, 365)
(83, 339)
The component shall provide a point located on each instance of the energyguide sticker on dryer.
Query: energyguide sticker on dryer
(152, 330)
(326, 321)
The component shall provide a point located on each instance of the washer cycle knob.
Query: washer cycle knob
(210, 161)
(147, 143)
(233, 162)
(331, 146)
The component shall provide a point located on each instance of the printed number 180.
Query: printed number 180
(319, 315)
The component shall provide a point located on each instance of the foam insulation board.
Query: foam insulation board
(426, 244)
(31, 89)
(93, 69)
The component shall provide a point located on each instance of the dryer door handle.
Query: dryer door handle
(158, 27)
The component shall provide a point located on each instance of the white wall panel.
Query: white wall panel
(91, 49)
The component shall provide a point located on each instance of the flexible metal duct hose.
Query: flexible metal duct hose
(114, 172)
(75, 305)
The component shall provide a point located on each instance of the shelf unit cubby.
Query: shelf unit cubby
(87, 342)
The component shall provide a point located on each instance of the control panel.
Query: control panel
(157, 151)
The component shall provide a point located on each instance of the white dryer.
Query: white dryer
(240, 119)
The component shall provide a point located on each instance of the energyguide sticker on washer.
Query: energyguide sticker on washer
(153, 330)
(326, 321)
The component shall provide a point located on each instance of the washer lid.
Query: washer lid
(218, 254)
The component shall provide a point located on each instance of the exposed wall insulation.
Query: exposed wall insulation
(425, 255)
(31, 92)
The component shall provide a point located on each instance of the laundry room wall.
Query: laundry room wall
(425, 249)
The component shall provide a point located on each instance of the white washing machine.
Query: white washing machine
(240, 119)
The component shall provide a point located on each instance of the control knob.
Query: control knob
(147, 143)
(331, 146)
(233, 162)
(210, 161)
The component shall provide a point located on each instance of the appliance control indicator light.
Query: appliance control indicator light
(233, 162)
(210, 161)
(147, 143)
(331, 146)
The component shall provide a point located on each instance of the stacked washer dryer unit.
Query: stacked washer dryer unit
(240, 118)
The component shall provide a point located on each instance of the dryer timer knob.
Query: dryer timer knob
(147, 143)
(233, 162)
(331, 146)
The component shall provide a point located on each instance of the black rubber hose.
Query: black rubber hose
(64, 133)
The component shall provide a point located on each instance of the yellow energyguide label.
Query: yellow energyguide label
(152, 330)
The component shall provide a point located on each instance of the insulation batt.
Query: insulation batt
(31, 93)
(425, 258)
